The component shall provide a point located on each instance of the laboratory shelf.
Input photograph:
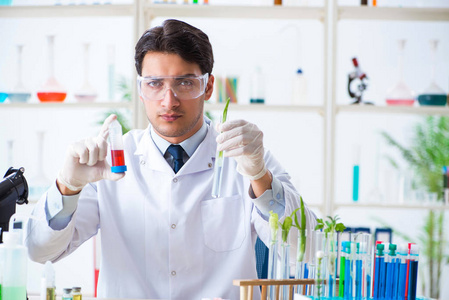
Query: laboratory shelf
(263, 107)
(418, 110)
(392, 206)
(235, 12)
(392, 13)
(63, 11)
(65, 105)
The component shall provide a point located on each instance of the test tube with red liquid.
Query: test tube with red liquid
(117, 153)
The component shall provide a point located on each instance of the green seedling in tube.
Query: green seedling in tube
(302, 231)
(218, 168)
(273, 221)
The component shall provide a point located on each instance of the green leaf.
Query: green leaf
(225, 115)
(340, 227)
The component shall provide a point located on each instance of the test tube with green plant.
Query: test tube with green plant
(331, 228)
(273, 221)
(285, 250)
(218, 168)
(300, 264)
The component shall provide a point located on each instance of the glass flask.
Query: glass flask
(52, 91)
(39, 184)
(19, 93)
(433, 94)
(86, 93)
(400, 93)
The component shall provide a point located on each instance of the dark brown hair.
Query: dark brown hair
(176, 37)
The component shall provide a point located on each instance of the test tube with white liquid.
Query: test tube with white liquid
(218, 168)
(117, 152)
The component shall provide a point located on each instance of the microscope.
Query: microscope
(360, 81)
(13, 190)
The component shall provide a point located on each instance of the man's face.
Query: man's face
(173, 119)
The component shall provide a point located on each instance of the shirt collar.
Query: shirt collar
(189, 145)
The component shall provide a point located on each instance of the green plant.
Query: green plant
(286, 225)
(124, 88)
(120, 118)
(302, 231)
(330, 226)
(427, 154)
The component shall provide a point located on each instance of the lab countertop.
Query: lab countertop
(84, 298)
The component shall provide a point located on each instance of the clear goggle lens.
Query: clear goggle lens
(183, 87)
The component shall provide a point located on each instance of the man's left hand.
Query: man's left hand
(243, 141)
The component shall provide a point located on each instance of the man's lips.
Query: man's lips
(170, 117)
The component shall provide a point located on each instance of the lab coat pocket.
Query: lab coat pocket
(223, 222)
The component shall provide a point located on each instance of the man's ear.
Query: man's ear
(209, 87)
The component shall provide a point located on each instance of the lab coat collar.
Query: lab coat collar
(201, 160)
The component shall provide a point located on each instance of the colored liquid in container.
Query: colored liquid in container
(19, 97)
(118, 158)
(398, 102)
(432, 99)
(51, 97)
(3, 97)
(85, 98)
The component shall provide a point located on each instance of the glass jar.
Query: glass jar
(67, 294)
(76, 293)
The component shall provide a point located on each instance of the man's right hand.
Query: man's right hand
(85, 162)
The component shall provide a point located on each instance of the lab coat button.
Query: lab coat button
(175, 180)
(209, 165)
(173, 273)
(173, 226)
(271, 202)
(142, 162)
(278, 196)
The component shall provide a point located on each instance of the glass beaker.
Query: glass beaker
(400, 93)
(433, 94)
(52, 91)
(86, 93)
(19, 93)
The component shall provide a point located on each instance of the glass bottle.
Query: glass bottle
(400, 93)
(86, 93)
(67, 294)
(52, 91)
(433, 94)
(76, 293)
(257, 87)
(19, 93)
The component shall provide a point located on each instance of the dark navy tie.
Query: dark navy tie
(177, 152)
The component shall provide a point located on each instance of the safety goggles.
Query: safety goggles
(154, 88)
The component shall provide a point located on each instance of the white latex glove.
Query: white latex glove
(85, 161)
(243, 141)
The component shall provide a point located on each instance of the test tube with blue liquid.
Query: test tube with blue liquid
(402, 251)
(218, 168)
(414, 257)
(117, 148)
(390, 267)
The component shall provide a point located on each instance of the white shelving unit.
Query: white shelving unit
(143, 13)
(365, 13)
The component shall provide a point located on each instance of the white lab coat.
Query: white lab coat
(162, 234)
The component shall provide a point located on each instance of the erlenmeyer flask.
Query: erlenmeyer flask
(52, 91)
(39, 184)
(433, 94)
(19, 93)
(400, 93)
(86, 93)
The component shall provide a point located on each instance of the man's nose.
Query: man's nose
(170, 99)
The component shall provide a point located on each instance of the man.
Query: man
(163, 235)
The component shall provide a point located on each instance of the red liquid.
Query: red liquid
(51, 97)
(405, 102)
(118, 158)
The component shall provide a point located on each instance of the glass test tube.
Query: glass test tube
(117, 153)
(218, 172)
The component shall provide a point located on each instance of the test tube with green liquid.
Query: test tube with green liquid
(218, 168)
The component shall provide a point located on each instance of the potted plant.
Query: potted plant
(427, 154)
